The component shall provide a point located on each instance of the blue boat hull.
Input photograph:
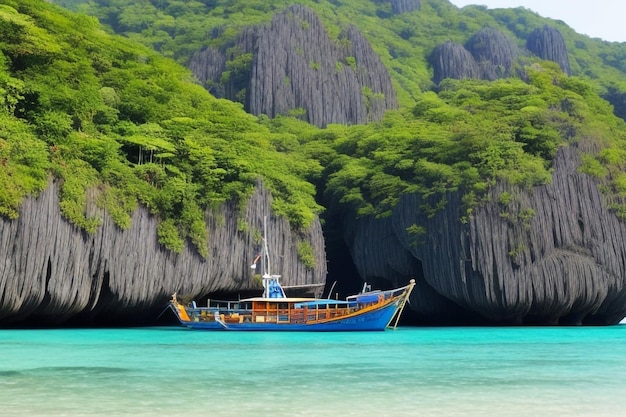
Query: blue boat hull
(376, 320)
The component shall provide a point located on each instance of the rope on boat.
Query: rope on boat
(220, 321)
(167, 307)
(403, 303)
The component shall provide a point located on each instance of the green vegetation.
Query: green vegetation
(112, 119)
(306, 254)
(178, 28)
(115, 121)
(468, 136)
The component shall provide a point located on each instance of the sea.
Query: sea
(173, 371)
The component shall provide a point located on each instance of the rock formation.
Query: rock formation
(490, 54)
(405, 6)
(494, 52)
(208, 65)
(53, 272)
(564, 264)
(451, 60)
(548, 43)
(295, 66)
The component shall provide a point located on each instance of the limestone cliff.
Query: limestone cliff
(548, 43)
(295, 66)
(52, 271)
(490, 54)
(451, 60)
(564, 264)
(494, 52)
(405, 6)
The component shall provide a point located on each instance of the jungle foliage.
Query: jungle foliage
(104, 114)
(405, 42)
(178, 28)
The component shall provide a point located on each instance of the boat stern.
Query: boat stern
(179, 310)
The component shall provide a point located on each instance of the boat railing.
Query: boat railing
(378, 296)
(220, 311)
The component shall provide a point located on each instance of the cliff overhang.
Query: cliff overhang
(55, 273)
(554, 254)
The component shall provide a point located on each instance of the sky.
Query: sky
(596, 18)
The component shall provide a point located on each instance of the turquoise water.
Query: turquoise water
(169, 371)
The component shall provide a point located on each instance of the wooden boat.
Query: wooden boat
(274, 311)
(367, 311)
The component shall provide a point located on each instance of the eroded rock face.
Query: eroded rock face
(451, 60)
(295, 66)
(494, 52)
(52, 271)
(208, 66)
(490, 54)
(405, 6)
(566, 264)
(548, 43)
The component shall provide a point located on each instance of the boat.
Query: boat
(369, 310)
(273, 311)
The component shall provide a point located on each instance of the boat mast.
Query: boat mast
(266, 252)
(271, 283)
